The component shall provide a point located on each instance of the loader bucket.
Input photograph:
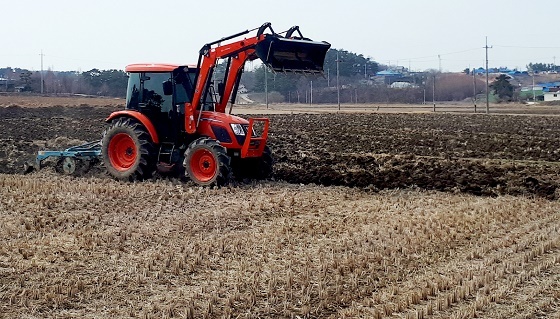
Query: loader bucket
(292, 55)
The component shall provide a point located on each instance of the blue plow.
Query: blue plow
(70, 161)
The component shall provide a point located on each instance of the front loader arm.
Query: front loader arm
(238, 52)
(288, 53)
(233, 75)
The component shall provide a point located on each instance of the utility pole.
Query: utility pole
(434, 92)
(487, 85)
(311, 94)
(439, 57)
(337, 84)
(474, 89)
(533, 88)
(265, 85)
(329, 77)
(42, 71)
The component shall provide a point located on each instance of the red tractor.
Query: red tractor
(177, 113)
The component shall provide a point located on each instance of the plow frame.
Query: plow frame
(87, 152)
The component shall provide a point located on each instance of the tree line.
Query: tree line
(541, 67)
(353, 73)
(92, 82)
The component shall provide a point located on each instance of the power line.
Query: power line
(462, 51)
(524, 47)
(438, 55)
(81, 59)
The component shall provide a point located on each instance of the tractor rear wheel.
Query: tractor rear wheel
(127, 150)
(207, 163)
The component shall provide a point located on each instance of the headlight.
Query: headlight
(237, 129)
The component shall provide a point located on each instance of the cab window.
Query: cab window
(133, 96)
(152, 95)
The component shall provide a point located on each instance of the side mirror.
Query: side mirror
(168, 87)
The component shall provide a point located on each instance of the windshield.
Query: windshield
(184, 85)
(152, 93)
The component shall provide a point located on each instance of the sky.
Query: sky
(77, 35)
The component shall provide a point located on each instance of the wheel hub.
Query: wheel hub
(203, 165)
(122, 152)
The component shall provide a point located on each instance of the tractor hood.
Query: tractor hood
(246, 137)
(222, 118)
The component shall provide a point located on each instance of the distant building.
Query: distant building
(402, 85)
(532, 93)
(389, 76)
(548, 86)
(501, 70)
(6, 85)
(553, 94)
(388, 73)
(482, 71)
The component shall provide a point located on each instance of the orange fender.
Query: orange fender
(141, 118)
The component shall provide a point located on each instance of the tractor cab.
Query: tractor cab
(160, 91)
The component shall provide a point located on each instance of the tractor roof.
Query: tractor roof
(153, 67)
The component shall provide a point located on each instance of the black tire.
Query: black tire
(127, 150)
(255, 168)
(207, 163)
(265, 164)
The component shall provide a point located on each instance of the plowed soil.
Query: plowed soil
(367, 216)
(478, 154)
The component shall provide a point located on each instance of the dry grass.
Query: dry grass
(31, 101)
(98, 248)
(46, 101)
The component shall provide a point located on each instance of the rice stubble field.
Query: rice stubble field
(367, 216)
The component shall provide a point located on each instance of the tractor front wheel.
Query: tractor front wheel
(207, 163)
(265, 164)
(127, 150)
(254, 168)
